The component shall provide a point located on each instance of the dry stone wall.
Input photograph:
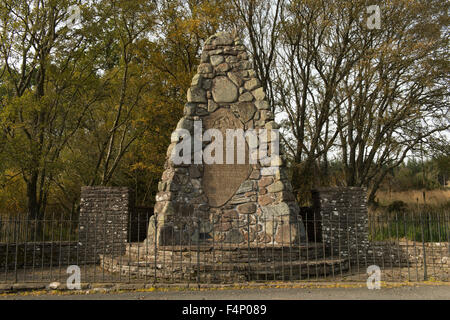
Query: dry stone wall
(409, 253)
(43, 254)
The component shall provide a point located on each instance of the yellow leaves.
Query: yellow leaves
(138, 166)
(150, 167)
(190, 25)
(12, 193)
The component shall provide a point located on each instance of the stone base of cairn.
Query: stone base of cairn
(224, 263)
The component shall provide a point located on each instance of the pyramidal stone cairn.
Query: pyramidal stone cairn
(241, 204)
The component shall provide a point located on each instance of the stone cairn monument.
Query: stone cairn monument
(195, 200)
(222, 220)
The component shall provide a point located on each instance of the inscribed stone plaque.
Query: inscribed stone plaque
(221, 181)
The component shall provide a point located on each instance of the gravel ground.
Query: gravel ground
(423, 292)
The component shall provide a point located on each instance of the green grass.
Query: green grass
(426, 227)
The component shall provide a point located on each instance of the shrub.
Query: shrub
(397, 206)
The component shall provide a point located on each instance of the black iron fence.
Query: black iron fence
(405, 246)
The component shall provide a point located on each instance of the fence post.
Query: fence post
(16, 240)
(248, 248)
(425, 273)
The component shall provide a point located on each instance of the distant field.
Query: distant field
(433, 197)
(424, 222)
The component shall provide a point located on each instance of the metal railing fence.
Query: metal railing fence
(405, 246)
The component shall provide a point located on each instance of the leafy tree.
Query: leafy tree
(46, 88)
(371, 97)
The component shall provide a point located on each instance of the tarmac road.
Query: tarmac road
(422, 292)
